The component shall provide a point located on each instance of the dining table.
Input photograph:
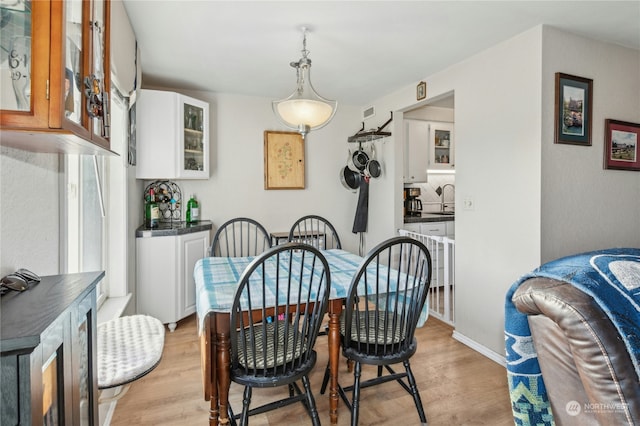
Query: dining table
(216, 280)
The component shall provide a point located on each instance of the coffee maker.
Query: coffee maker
(412, 203)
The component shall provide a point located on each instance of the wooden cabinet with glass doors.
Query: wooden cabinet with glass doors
(54, 75)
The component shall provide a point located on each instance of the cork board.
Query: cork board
(283, 160)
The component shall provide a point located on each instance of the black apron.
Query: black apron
(362, 209)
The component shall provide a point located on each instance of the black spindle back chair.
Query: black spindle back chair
(240, 237)
(382, 309)
(277, 311)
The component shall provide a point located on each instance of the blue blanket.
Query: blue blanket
(612, 278)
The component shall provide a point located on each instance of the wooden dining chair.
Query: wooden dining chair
(240, 237)
(277, 311)
(316, 231)
(383, 306)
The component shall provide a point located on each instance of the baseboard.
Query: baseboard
(496, 357)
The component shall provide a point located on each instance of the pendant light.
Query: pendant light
(304, 110)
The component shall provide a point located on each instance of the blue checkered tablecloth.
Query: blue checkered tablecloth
(217, 278)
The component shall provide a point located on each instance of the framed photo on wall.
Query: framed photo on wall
(573, 109)
(621, 145)
(421, 90)
(283, 160)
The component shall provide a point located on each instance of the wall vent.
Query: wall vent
(368, 112)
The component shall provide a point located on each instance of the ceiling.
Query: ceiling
(360, 50)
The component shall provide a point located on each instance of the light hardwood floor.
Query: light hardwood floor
(458, 386)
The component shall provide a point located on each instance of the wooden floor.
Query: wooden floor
(458, 386)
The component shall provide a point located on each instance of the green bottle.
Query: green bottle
(151, 211)
(193, 210)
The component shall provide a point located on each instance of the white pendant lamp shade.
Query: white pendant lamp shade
(304, 110)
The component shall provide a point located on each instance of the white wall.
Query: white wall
(29, 212)
(584, 206)
(534, 201)
(236, 183)
(497, 96)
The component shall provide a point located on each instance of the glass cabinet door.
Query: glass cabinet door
(15, 55)
(98, 60)
(74, 47)
(193, 148)
(442, 146)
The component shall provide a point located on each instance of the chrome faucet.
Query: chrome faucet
(442, 204)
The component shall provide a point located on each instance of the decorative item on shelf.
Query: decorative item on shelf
(151, 211)
(421, 90)
(193, 210)
(304, 110)
(169, 199)
(97, 102)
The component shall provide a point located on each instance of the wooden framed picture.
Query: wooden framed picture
(421, 90)
(573, 107)
(283, 160)
(621, 145)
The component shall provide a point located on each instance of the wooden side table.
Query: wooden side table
(282, 237)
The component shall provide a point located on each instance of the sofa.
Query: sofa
(572, 333)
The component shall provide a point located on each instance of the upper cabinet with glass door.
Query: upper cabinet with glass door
(441, 146)
(54, 78)
(172, 136)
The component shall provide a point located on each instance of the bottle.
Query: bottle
(193, 210)
(151, 211)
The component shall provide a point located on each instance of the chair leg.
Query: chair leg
(246, 400)
(313, 412)
(415, 393)
(325, 381)
(232, 418)
(355, 405)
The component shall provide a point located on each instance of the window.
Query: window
(94, 210)
(84, 222)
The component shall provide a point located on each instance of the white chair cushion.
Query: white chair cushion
(128, 348)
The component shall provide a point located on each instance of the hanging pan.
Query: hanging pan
(360, 159)
(373, 168)
(350, 179)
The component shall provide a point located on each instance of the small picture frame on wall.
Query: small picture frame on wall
(573, 107)
(421, 90)
(283, 160)
(621, 145)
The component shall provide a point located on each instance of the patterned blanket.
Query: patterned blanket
(612, 278)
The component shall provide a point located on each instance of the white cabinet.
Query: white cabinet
(441, 146)
(166, 288)
(172, 136)
(416, 150)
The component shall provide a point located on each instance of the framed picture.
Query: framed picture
(283, 160)
(621, 145)
(573, 109)
(421, 90)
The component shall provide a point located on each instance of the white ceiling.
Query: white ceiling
(361, 50)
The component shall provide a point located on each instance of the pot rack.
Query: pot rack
(370, 135)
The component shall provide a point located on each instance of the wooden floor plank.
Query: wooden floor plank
(458, 386)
